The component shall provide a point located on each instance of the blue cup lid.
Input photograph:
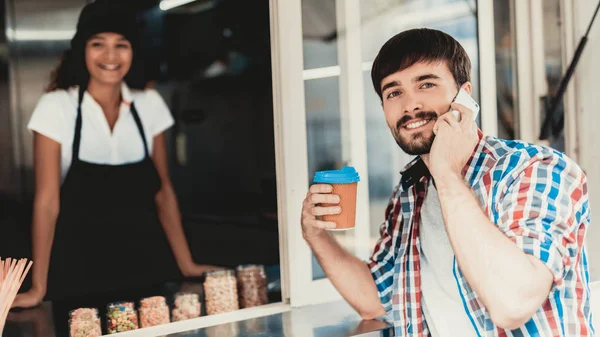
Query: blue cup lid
(346, 175)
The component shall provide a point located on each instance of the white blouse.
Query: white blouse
(55, 114)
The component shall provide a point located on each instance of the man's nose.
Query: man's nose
(411, 104)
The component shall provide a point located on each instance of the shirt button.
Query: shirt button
(464, 291)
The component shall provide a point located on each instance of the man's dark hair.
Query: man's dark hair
(420, 45)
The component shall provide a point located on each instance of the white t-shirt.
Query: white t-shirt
(56, 112)
(442, 304)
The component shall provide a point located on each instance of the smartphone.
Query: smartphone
(465, 99)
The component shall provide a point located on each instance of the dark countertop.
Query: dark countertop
(335, 319)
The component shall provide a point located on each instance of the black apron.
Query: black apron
(108, 236)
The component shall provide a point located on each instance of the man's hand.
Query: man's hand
(312, 211)
(348, 274)
(454, 143)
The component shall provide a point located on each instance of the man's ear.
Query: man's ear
(468, 87)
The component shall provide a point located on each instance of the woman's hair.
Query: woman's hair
(72, 70)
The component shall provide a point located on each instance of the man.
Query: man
(482, 236)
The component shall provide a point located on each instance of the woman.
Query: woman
(102, 188)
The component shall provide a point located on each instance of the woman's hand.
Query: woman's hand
(195, 270)
(29, 299)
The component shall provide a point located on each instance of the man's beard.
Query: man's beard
(416, 144)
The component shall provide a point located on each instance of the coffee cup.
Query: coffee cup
(344, 183)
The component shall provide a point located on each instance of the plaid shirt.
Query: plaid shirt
(537, 197)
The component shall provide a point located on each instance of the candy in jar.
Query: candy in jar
(186, 306)
(153, 311)
(220, 292)
(84, 322)
(121, 316)
(252, 286)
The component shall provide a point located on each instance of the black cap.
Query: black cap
(104, 16)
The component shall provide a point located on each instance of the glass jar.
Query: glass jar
(252, 285)
(153, 311)
(84, 322)
(220, 292)
(121, 316)
(186, 306)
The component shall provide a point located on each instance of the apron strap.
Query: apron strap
(138, 122)
(77, 137)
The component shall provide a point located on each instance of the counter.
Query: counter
(335, 319)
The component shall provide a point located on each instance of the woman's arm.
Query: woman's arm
(169, 215)
(46, 207)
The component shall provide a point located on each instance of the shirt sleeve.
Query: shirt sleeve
(48, 119)
(545, 211)
(162, 119)
(382, 260)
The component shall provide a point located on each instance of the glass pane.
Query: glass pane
(324, 123)
(382, 19)
(506, 69)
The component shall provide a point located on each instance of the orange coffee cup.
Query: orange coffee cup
(345, 183)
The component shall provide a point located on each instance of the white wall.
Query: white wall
(588, 111)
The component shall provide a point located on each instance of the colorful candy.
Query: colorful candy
(121, 316)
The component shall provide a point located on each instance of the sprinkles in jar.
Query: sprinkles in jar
(220, 291)
(252, 286)
(84, 322)
(186, 306)
(153, 311)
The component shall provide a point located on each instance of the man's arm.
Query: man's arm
(350, 276)
(513, 263)
(511, 284)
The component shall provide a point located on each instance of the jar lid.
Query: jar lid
(121, 306)
(187, 295)
(154, 301)
(250, 269)
(250, 266)
(84, 314)
(220, 273)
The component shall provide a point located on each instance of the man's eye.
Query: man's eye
(96, 44)
(427, 85)
(393, 94)
(123, 46)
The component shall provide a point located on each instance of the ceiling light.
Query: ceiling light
(165, 5)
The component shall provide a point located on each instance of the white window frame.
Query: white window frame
(570, 36)
(487, 67)
(530, 67)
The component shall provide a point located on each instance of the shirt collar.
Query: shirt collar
(126, 95)
(416, 169)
